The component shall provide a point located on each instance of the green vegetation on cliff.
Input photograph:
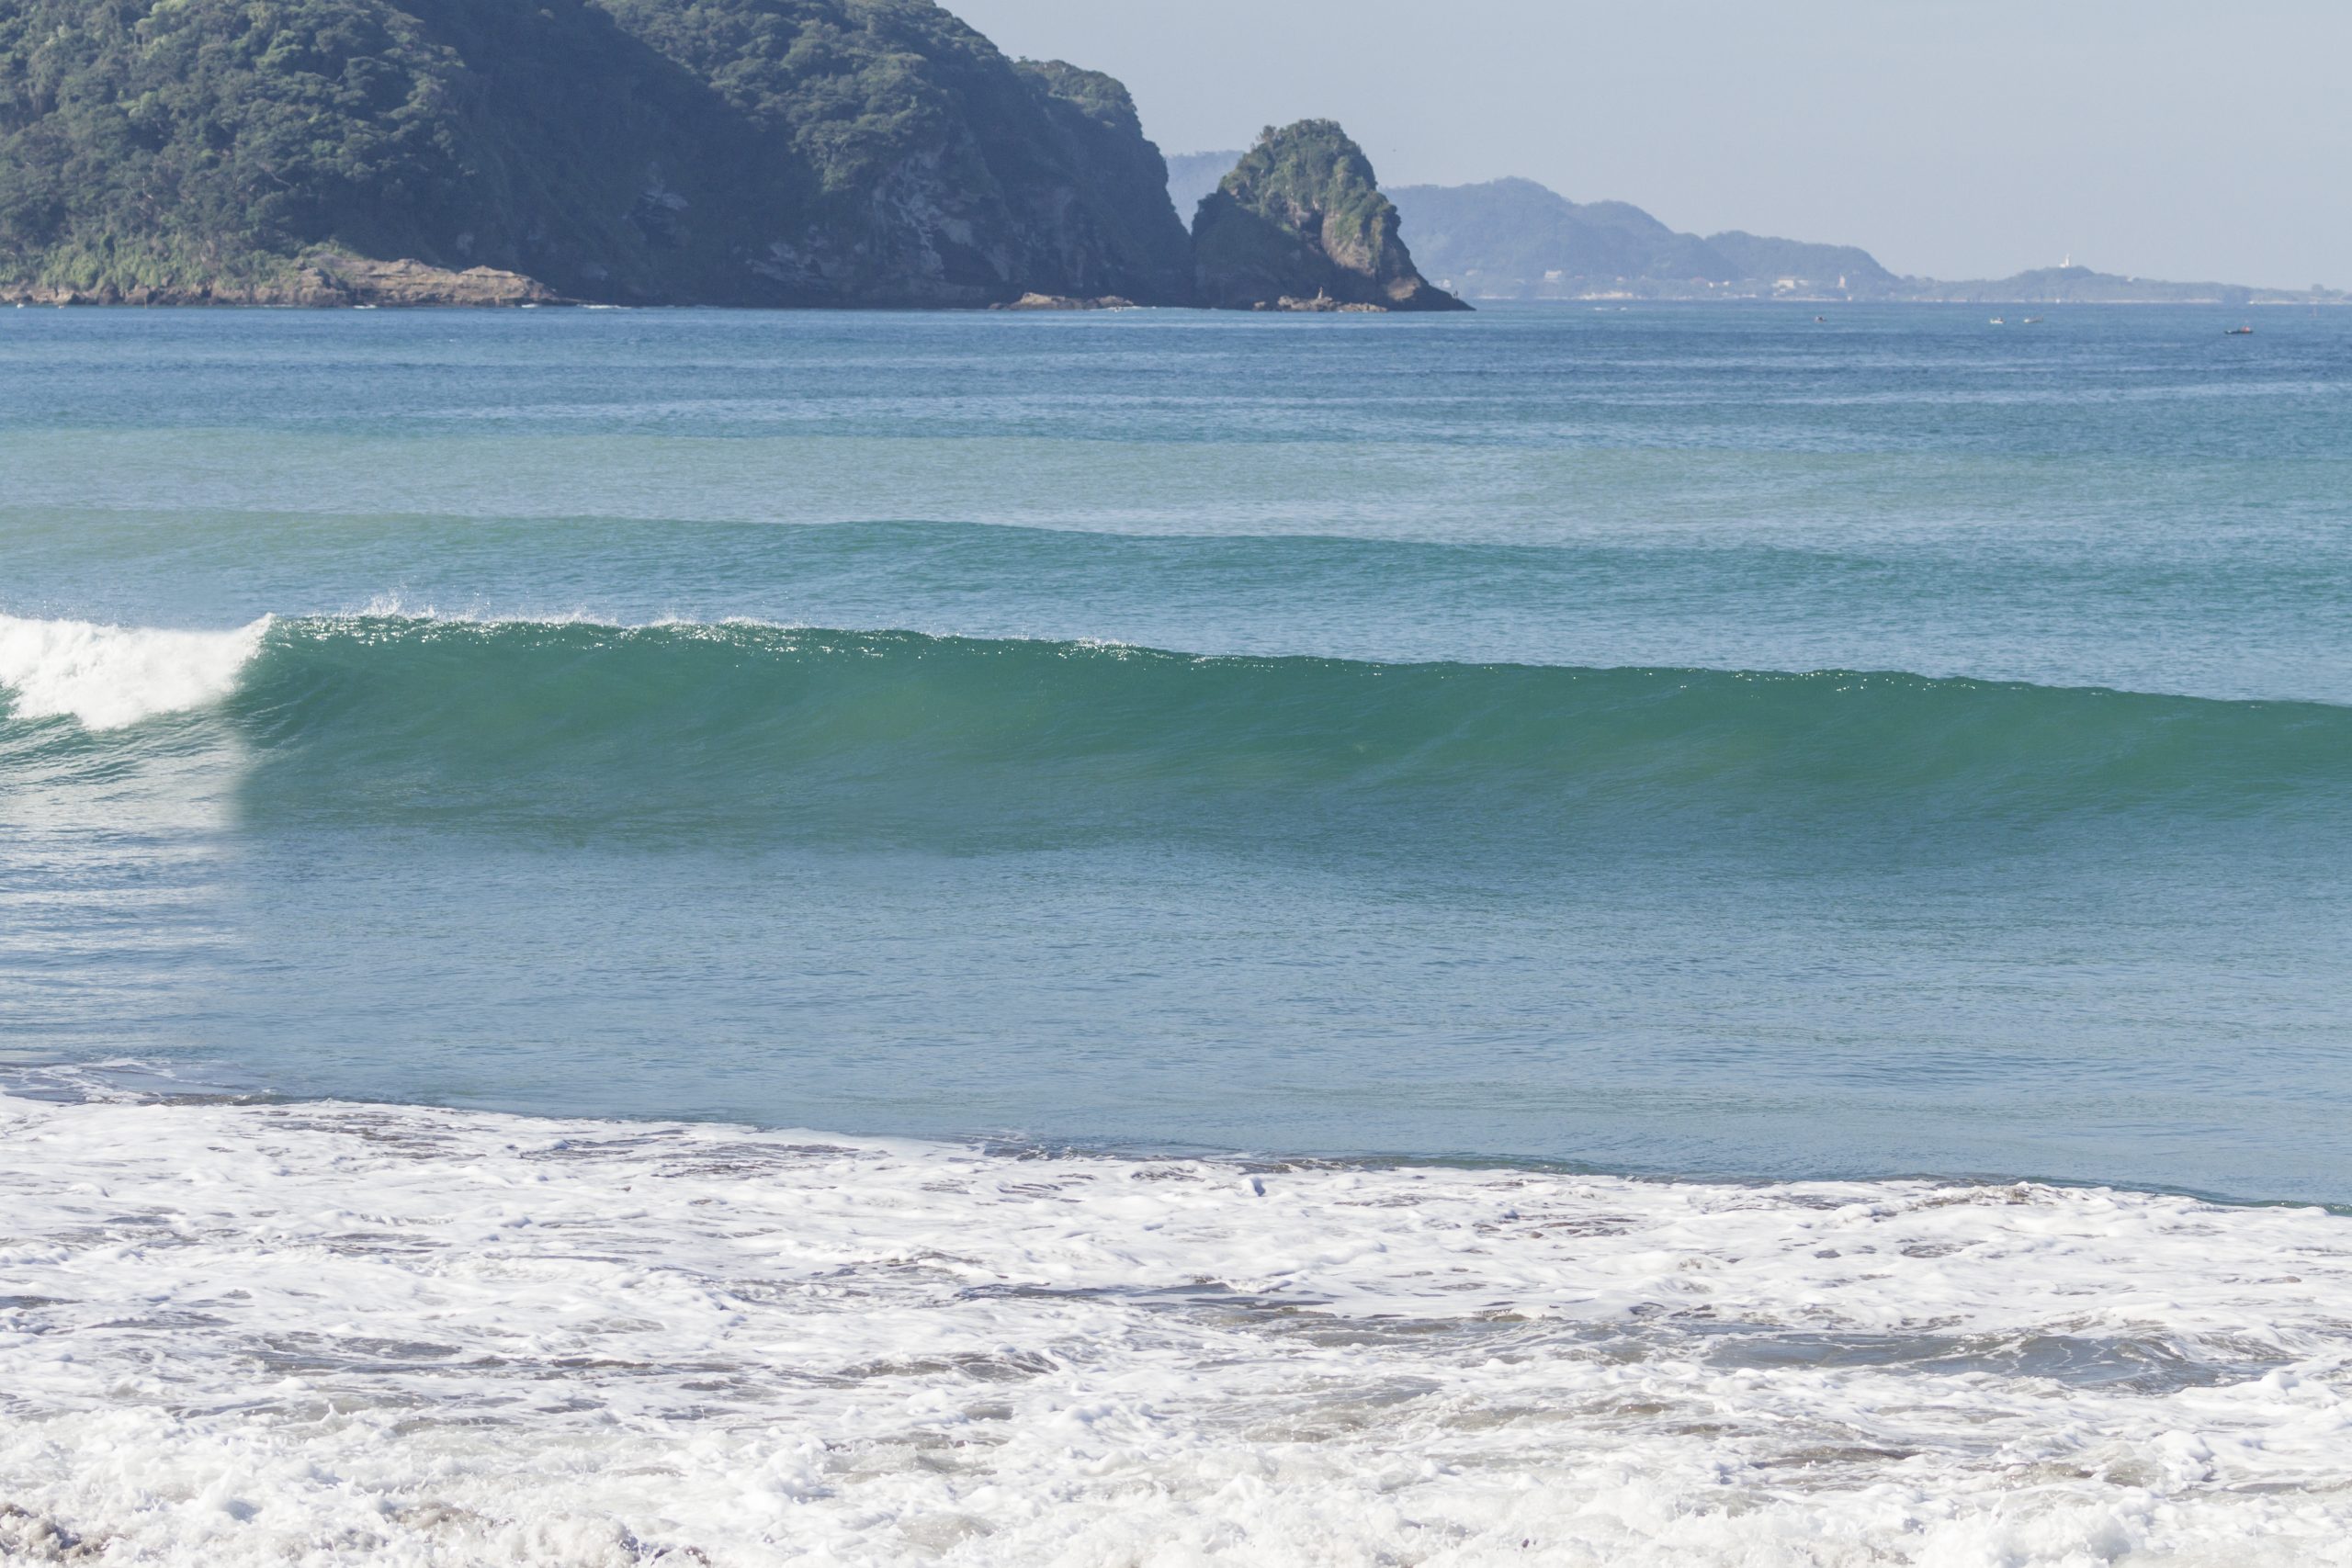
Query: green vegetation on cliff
(188, 139)
(752, 151)
(1301, 218)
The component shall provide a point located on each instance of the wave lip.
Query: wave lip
(109, 677)
(914, 736)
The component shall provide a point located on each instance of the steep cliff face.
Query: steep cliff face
(925, 168)
(1121, 227)
(1300, 223)
(735, 151)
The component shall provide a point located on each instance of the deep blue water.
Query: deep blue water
(1697, 740)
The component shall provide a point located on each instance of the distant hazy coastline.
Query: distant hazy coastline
(1513, 239)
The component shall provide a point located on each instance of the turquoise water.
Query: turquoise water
(1700, 741)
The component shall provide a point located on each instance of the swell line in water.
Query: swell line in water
(908, 736)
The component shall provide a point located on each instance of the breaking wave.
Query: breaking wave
(765, 730)
(108, 677)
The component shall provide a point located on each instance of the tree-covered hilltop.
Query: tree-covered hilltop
(1301, 219)
(744, 151)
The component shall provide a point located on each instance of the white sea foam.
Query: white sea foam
(339, 1335)
(106, 677)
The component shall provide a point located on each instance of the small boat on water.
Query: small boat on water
(2033, 320)
(2239, 331)
(1999, 322)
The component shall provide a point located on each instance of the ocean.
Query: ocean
(1672, 935)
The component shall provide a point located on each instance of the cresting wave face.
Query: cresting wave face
(898, 737)
(431, 1338)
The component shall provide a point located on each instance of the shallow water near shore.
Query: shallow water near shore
(428, 1337)
(1684, 740)
(1389, 781)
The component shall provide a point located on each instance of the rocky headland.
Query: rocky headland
(750, 153)
(516, 151)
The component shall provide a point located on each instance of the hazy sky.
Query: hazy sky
(2152, 137)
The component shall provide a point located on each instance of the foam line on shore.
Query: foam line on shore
(239, 1333)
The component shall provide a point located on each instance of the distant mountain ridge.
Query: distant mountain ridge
(1192, 176)
(1514, 239)
(1517, 239)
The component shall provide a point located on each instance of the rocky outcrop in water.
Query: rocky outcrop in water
(323, 280)
(1300, 224)
(1064, 302)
